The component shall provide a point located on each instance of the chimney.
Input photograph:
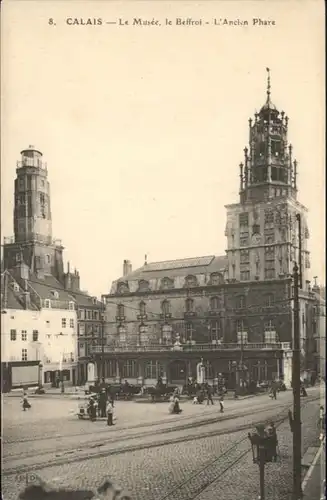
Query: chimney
(127, 267)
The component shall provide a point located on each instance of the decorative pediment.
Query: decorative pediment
(216, 279)
(190, 281)
(122, 287)
(166, 283)
(143, 286)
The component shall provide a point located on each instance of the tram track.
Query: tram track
(84, 453)
(171, 427)
(213, 470)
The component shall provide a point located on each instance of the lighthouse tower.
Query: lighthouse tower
(33, 244)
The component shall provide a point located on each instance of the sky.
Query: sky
(143, 128)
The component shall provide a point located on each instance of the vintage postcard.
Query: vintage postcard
(163, 250)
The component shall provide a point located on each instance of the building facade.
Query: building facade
(43, 297)
(234, 312)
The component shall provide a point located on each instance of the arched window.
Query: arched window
(189, 305)
(216, 279)
(143, 286)
(214, 303)
(142, 308)
(165, 307)
(120, 311)
(166, 283)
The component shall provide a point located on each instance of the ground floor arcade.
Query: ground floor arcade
(179, 367)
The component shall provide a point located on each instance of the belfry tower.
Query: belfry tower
(261, 230)
(33, 244)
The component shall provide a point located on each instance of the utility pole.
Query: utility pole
(296, 373)
(102, 337)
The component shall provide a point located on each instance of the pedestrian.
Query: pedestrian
(221, 402)
(92, 409)
(209, 395)
(26, 404)
(102, 403)
(110, 414)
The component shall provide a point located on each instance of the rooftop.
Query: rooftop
(178, 267)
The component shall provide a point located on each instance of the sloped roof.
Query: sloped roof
(85, 300)
(45, 287)
(179, 267)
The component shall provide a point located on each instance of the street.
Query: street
(150, 453)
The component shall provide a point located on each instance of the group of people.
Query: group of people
(102, 407)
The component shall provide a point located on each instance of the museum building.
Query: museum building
(235, 312)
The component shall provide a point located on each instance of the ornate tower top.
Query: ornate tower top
(268, 170)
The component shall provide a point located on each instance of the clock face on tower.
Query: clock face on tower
(256, 239)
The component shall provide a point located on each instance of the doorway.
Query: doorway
(177, 372)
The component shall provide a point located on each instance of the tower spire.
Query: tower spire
(268, 85)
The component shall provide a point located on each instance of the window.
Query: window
(153, 369)
(63, 322)
(89, 314)
(129, 369)
(189, 330)
(16, 287)
(120, 311)
(189, 305)
(269, 236)
(47, 323)
(244, 238)
(24, 354)
(167, 283)
(245, 275)
(13, 335)
(216, 279)
(270, 253)
(256, 229)
(214, 303)
(269, 218)
(245, 256)
(143, 330)
(190, 281)
(54, 293)
(165, 307)
(269, 300)
(269, 269)
(71, 323)
(270, 333)
(215, 331)
(71, 306)
(122, 334)
(240, 302)
(81, 329)
(35, 335)
(242, 334)
(47, 303)
(47, 259)
(244, 219)
(166, 333)
(24, 335)
(142, 309)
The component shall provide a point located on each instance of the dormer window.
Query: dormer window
(122, 288)
(71, 306)
(167, 283)
(47, 304)
(16, 287)
(190, 281)
(54, 294)
(94, 300)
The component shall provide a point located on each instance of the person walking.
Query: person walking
(26, 404)
(209, 395)
(110, 414)
(103, 403)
